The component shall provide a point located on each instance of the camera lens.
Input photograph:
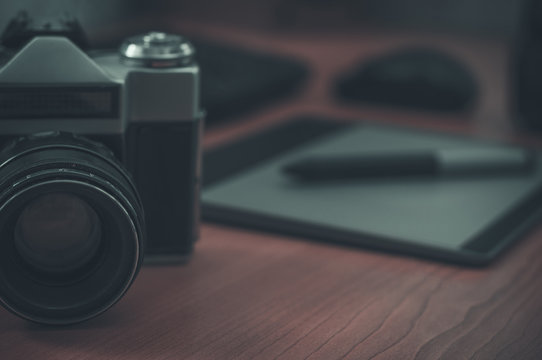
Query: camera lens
(71, 228)
(58, 233)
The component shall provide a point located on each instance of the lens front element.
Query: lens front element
(58, 233)
(71, 229)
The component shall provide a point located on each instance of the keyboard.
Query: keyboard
(236, 80)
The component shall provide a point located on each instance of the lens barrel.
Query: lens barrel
(71, 228)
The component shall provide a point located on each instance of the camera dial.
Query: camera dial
(157, 50)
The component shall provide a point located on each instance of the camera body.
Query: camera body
(141, 102)
(99, 165)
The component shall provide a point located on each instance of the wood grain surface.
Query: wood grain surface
(250, 295)
(247, 295)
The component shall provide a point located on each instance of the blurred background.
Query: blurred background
(494, 18)
(484, 17)
(321, 53)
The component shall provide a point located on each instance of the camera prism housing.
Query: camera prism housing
(110, 141)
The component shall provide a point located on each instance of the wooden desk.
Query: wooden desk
(249, 295)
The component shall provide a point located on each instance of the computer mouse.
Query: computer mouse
(418, 78)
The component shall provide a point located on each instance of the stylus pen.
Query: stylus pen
(434, 163)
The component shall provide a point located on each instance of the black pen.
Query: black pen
(435, 163)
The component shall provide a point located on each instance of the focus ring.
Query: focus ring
(65, 164)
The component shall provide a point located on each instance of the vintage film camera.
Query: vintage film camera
(99, 164)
